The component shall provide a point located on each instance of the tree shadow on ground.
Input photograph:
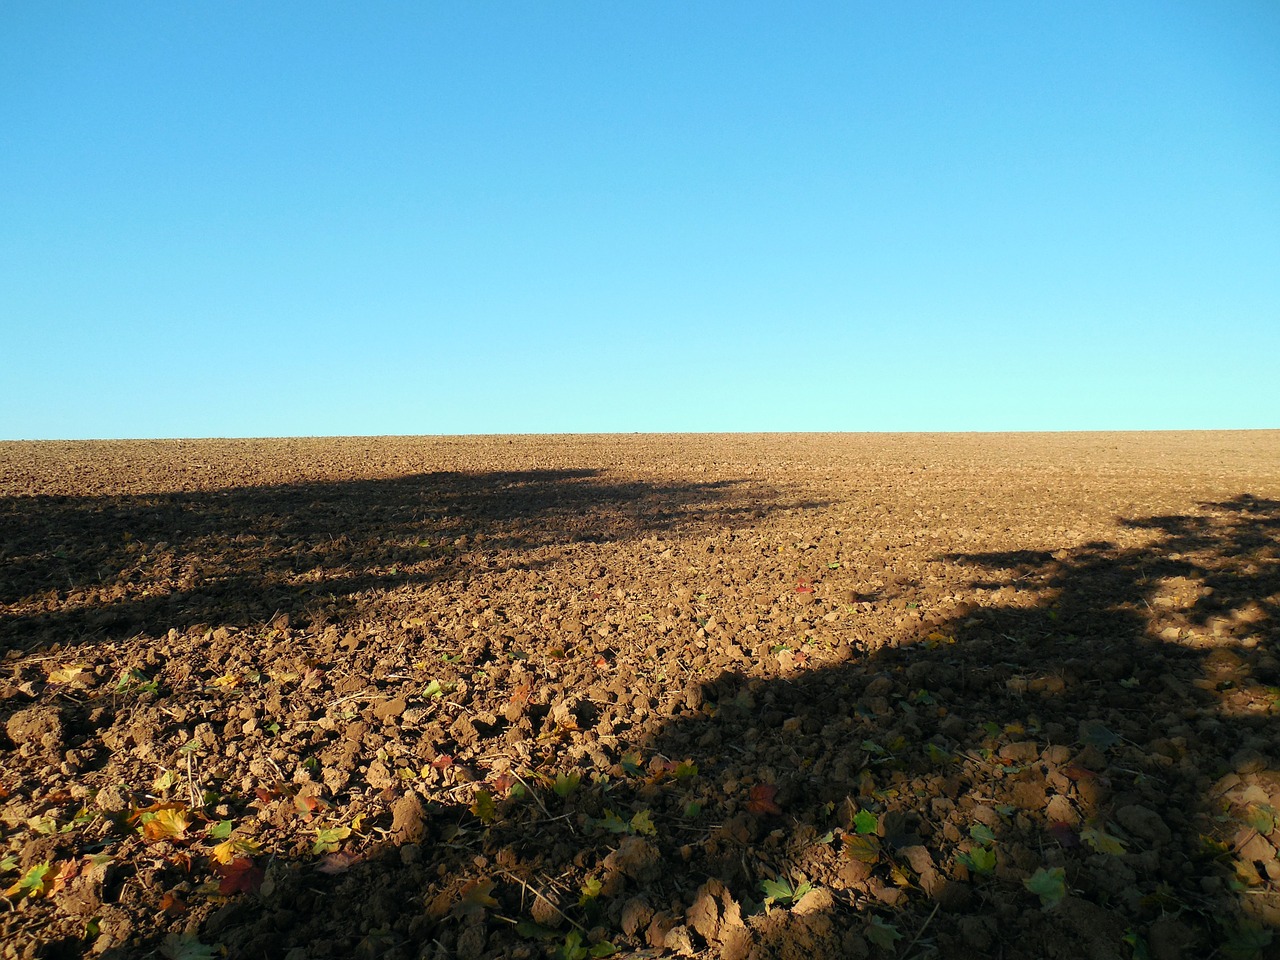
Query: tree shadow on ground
(1106, 712)
(1075, 756)
(110, 567)
(1080, 762)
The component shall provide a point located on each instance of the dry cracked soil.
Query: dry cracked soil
(718, 696)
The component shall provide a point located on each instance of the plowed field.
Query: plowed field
(721, 696)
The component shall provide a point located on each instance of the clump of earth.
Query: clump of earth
(691, 696)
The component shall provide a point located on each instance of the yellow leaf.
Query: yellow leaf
(34, 883)
(166, 825)
(1101, 841)
(68, 674)
(229, 850)
(227, 681)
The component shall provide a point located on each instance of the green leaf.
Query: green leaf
(572, 948)
(982, 833)
(865, 822)
(980, 860)
(1095, 733)
(692, 810)
(602, 949)
(483, 807)
(937, 754)
(1049, 885)
(883, 935)
(535, 931)
(642, 823)
(1261, 818)
(1137, 945)
(686, 769)
(566, 783)
(778, 889)
(631, 764)
(1246, 942)
(220, 830)
(433, 689)
(329, 838)
(590, 890)
(1102, 842)
(32, 881)
(613, 823)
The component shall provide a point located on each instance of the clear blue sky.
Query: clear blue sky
(263, 219)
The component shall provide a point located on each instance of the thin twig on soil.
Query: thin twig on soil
(529, 888)
(536, 799)
(923, 927)
(191, 787)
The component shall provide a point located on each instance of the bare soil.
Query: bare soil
(719, 696)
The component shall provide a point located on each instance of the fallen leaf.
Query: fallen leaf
(307, 806)
(241, 875)
(982, 833)
(32, 883)
(1049, 885)
(227, 851)
(482, 806)
(760, 799)
(1064, 833)
(169, 824)
(642, 823)
(864, 849)
(336, 862)
(328, 838)
(1101, 841)
(68, 674)
(172, 904)
(475, 898)
(65, 875)
(882, 934)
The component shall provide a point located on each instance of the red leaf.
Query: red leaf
(1064, 834)
(804, 586)
(442, 762)
(760, 799)
(241, 875)
(173, 905)
(502, 783)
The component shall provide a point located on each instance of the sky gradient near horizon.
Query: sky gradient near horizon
(421, 218)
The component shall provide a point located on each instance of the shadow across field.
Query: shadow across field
(1077, 759)
(1111, 715)
(1081, 763)
(87, 568)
